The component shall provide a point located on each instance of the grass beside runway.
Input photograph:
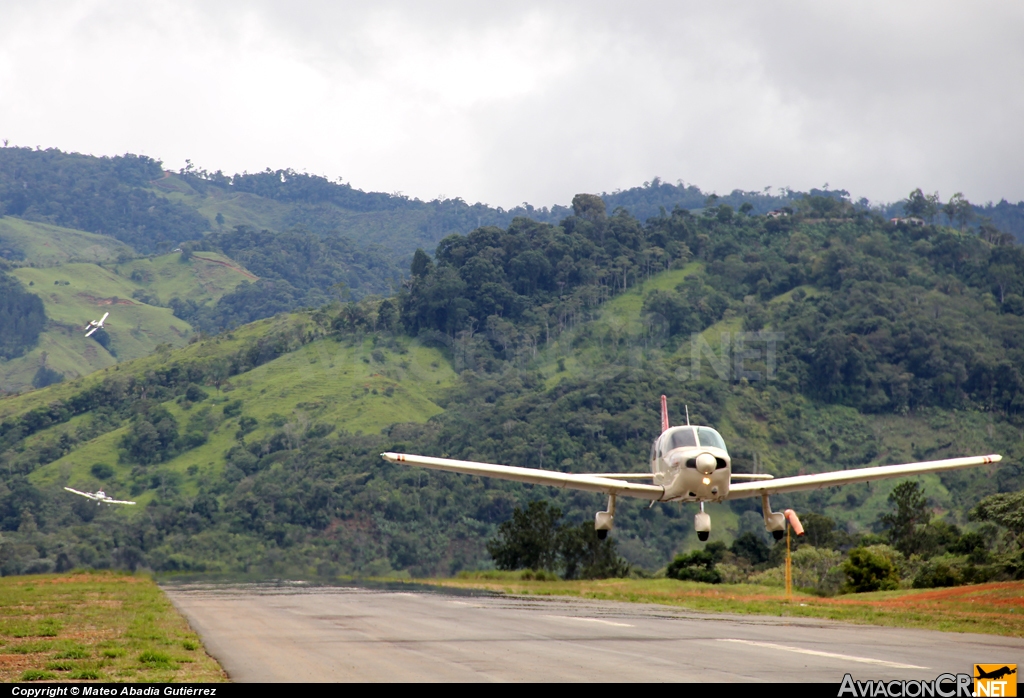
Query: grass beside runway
(995, 609)
(101, 626)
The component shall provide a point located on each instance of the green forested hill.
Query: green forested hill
(135, 292)
(543, 346)
(99, 195)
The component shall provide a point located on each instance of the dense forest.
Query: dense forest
(22, 317)
(900, 317)
(296, 270)
(880, 322)
(101, 195)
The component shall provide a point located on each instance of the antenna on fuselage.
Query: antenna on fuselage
(664, 414)
(687, 408)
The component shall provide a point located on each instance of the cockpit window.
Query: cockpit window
(679, 438)
(710, 437)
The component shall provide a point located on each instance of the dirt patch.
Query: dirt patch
(105, 301)
(233, 267)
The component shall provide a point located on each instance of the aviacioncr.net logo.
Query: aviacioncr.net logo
(942, 686)
(995, 680)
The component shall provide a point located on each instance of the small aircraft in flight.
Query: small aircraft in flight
(690, 464)
(95, 324)
(99, 496)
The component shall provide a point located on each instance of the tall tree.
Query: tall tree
(911, 512)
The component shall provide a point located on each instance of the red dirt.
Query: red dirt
(241, 271)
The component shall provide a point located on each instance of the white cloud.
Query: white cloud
(533, 101)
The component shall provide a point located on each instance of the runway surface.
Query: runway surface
(306, 634)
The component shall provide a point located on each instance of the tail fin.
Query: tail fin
(664, 414)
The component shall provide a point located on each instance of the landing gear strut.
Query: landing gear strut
(604, 520)
(702, 524)
(774, 521)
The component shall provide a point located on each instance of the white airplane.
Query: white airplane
(95, 324)
(99, 496)
(690, 464)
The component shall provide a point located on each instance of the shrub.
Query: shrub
(698, 566)
(751, 548)
(101, 471)
(195, 394)
(871, 569)
(938, 573)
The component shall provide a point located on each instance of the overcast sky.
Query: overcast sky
(523, 101)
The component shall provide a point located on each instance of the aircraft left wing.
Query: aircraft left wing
(116, 501)
(84, 494)
(845, 477)
(533, 476)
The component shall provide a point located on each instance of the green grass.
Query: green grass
(996, 609)
(135, 328)
(73, 294)
(204, 278)
(112, 627)
(46, 245)
(222, 345)
(323, 382)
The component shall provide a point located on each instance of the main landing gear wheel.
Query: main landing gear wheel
(703, 535)
(602, 534)
(778, 535)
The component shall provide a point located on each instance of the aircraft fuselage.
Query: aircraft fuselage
(692, 464)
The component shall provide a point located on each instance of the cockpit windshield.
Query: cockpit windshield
(710, 437)
(681, 437)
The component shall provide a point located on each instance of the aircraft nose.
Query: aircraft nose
(706, 463)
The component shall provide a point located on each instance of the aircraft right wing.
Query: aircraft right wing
(116, 501)
(533, 476)
(845, 477)
(88, 495)
(89, 333)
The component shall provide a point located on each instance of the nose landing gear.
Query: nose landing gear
(702, 524)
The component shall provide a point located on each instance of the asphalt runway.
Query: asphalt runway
(307, 634)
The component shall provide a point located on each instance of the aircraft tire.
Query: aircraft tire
(778, 535)
(602, 534)
(703, 535)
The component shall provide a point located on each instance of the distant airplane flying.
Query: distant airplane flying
(95, 324)
(99, 496)
(690, 464)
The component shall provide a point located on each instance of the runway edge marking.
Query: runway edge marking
(592, 620)
(819, 653)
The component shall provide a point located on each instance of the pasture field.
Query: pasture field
(47, 245)
(133, 292)
(96, 626)
(995, 609)
(352, 385)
